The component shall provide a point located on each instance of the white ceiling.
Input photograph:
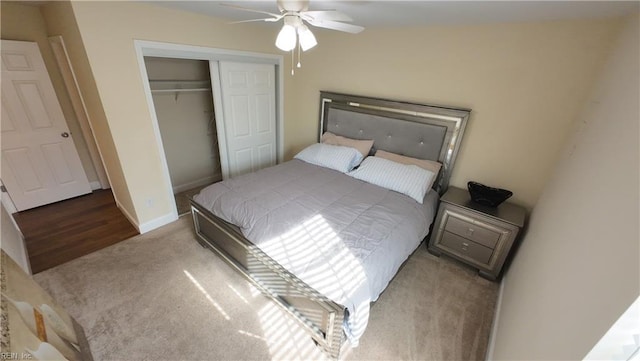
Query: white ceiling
(411, 13)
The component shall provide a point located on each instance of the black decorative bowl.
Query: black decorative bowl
(487, 196)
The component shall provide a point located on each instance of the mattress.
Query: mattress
(344, 237)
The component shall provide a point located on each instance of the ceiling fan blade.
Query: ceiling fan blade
(270, 20)
(334, 25)
(332, 15)
(250, 10)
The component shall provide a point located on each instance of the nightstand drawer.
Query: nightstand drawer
(467, 248)
(475, 232)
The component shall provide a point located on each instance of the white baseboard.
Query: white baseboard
(95, 185)
(494, 324)
(151, 225)
(196, 183)
(126, 214)
(158, 222)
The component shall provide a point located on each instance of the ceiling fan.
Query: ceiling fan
(295, 13)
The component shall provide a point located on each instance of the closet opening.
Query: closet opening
(237, 150)
(183, 101)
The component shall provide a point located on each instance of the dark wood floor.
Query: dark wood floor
(62, 231)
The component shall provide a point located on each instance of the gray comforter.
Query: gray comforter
(344, 237)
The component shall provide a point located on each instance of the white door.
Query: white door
(40, 163)
(249, 115)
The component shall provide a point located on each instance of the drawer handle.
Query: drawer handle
(470, 230)
(465, 244)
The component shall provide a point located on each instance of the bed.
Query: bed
(321, 244)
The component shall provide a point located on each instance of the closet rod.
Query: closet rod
(164, 81)
(179, 90)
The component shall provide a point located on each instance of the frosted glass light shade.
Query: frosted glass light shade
(307, 40)
(286, 39)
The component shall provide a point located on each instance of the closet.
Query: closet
(216, 113)
(182, 98)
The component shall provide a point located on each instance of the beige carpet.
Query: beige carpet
(160, 296)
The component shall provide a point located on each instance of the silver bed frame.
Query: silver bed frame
(415, 130)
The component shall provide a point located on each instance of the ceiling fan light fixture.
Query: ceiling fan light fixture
(295, 14)
(306, 38)
(287, 38)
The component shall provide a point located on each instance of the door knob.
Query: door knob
(65, 135)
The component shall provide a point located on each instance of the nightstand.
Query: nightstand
(477, 235)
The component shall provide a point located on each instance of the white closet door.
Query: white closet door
(40, 163)
(249, 115)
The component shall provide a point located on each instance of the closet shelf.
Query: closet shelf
(179, 86)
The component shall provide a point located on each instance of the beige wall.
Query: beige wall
(26, 23)
(577, 269)
(60, 20)
(523, 82)
(108, 30)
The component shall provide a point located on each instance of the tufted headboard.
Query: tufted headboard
(415, 130)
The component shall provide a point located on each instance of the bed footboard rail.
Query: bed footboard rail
(319, 316)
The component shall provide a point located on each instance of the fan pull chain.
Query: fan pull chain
(299, 54)
(292, 72)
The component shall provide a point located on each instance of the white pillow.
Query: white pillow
(342, 159)
(407, 179)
